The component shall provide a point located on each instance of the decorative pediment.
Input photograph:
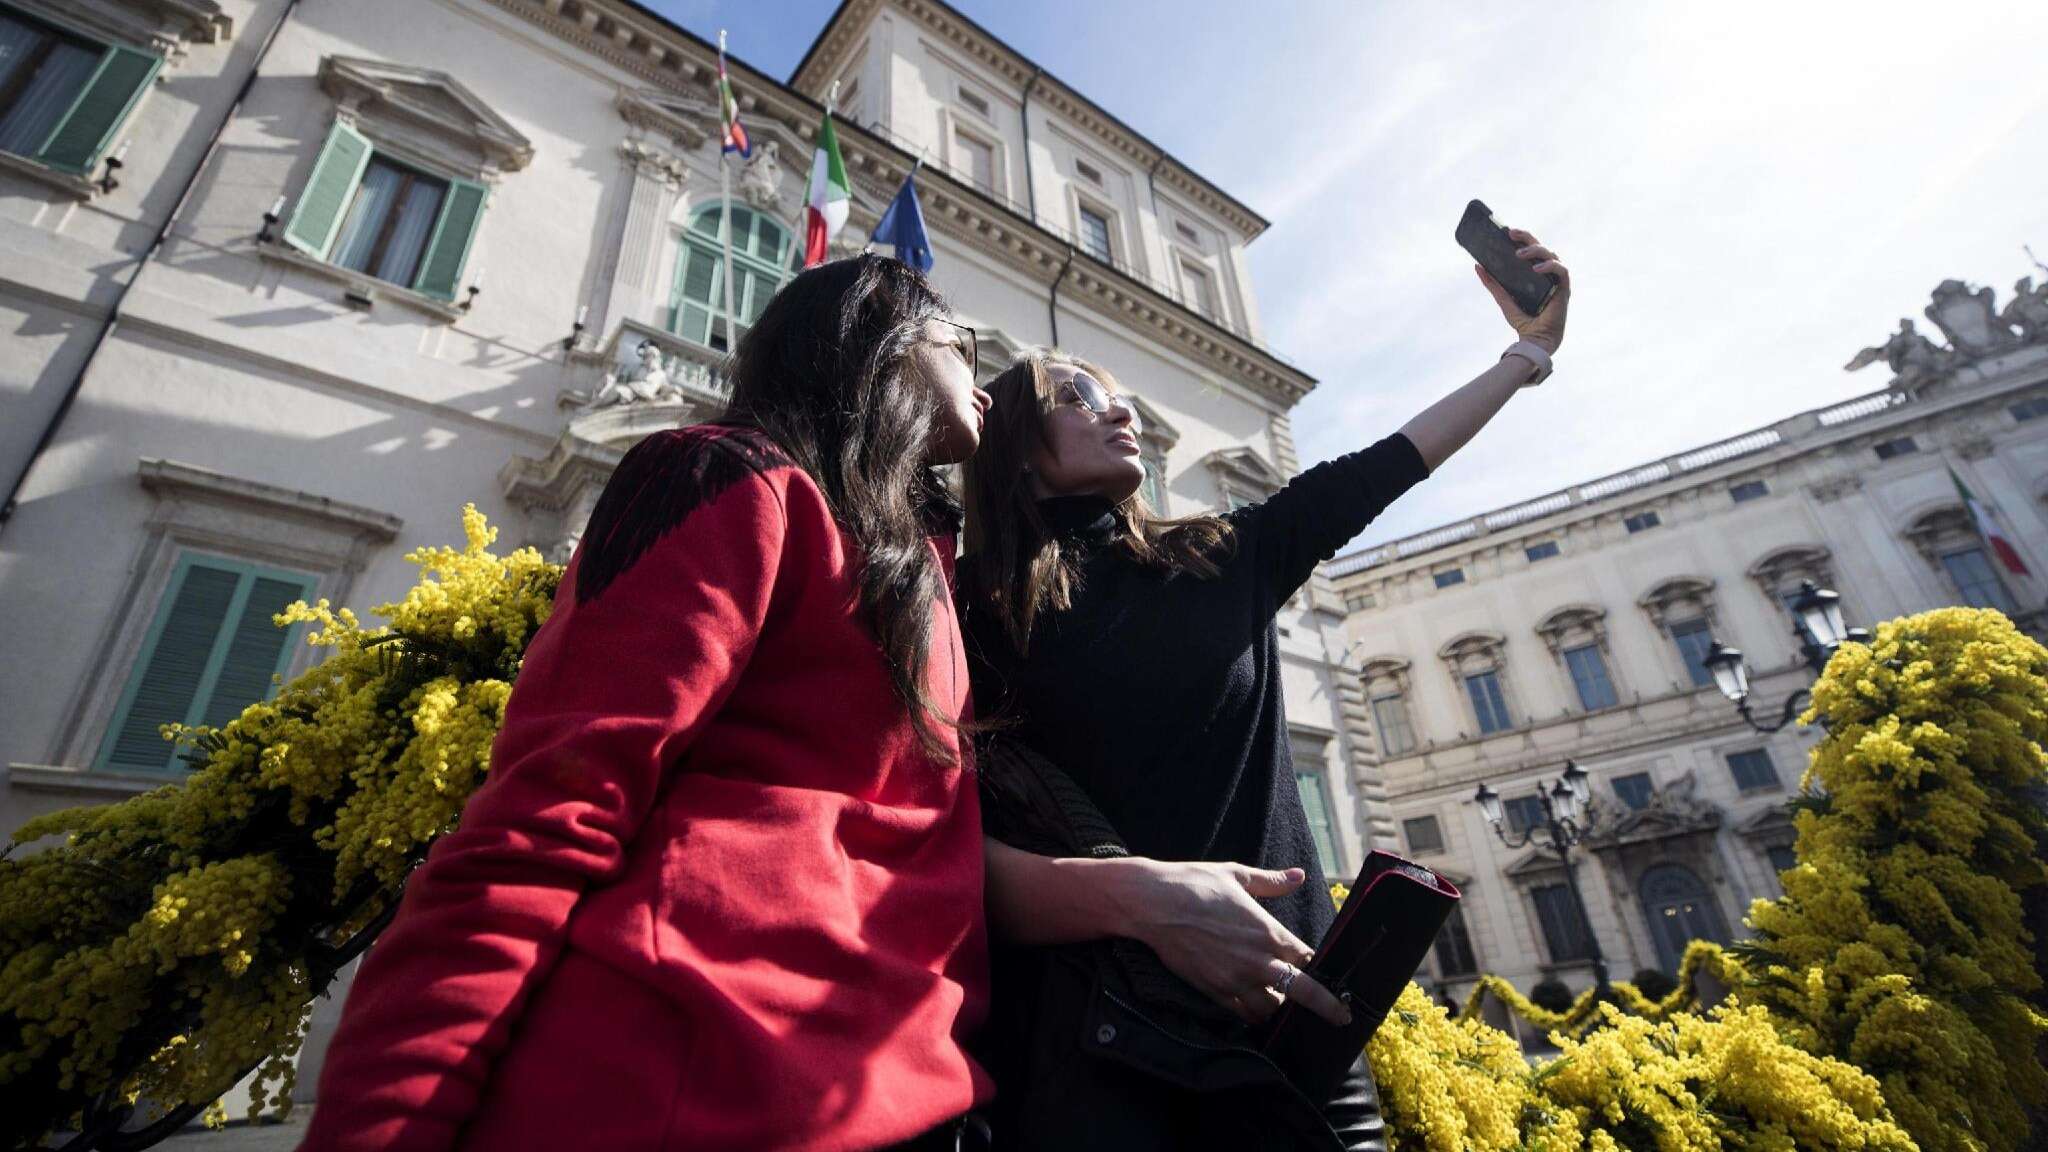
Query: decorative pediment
(1535, 864)
(424, 101)
(1772, 825)
(1474, 645)
(1573, 622)
(1384, 668)
(1783, 568)
(1243, 474)
(1679, 597)
(686, 120)
(1675, 809)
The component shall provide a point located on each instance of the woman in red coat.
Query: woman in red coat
(723, 887)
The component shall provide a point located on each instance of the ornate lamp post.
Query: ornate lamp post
(1564, 808)
(1816, 624)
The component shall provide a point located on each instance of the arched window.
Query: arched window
(1680, 910)
(763, 259)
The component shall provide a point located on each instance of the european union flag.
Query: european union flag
(903, 226)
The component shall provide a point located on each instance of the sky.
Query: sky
(1746, 193)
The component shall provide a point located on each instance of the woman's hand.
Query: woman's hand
(1546, 328)
(1205, 922)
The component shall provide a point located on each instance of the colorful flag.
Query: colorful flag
(729, 109)
(1988, 528)
(903, 226)
(826, 195)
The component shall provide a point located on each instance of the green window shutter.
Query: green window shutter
(695, 281)
(210, 653)
(173, 662)
(256, 651)
(324, 199)
(85, 130)
(461, 209)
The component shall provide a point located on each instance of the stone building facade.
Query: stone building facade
(287, 282)
(1571, 627)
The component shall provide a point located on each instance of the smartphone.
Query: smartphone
(1489, 243)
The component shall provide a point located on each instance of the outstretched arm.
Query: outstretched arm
(1442, 428)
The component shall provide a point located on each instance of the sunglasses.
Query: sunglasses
(1099, 400)
(966, 345)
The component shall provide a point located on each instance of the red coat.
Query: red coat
(713, 894)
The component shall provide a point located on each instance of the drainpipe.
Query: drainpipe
(1052, 304)
(1024, 114)
(114, 313)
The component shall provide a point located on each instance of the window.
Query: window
(1197, 289)
(1753, 770)
(1454, 956)
(974, 102)
(1748, 490)
(1589, 676)
(1315, 803)
(1543, 551)
(1359, 601)
(1782, 857)
(1088, 172)
(1186, 232)
(1524, 813)
(2031, 407)
(385, 230)
(1564, 930)
(1634, 790)
(1903, 446)
(62, 96)
(1975, 581)
(210, 653)
(1693, 642)
(1488, 705)
(1390, 718)
(762, 254)
(363, 211)
(977, 161)
(1095, 234)
(1448, 577)
(1423, 835)
(1641, 521)
(1155, 481)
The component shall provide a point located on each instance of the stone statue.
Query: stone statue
(2027, 311)
(1915, 360)
(647, 382)
(1969, 319)
(761, 179)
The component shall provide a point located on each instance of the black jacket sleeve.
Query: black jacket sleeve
(1305, 523)
(1354, 1113)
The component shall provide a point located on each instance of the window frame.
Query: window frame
(73, 177)
(1531, 806)
(1754, 785)
(1456, 933)
(1605, 678)
(1649, 782)
(1570, 920)
(963, 134)
(1331, 841)
(1381, 727)
(689, 237)
(187, 559)
(1497, 702)
(1205, 276)
(408, 174)
(1434, 846)
(1748, 490)
(1084, 209)
(1700, 675)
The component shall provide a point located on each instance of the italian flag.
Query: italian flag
(825, 195)
(1988, 529)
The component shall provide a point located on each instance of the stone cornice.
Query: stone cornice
(836, 43)
(647, 47)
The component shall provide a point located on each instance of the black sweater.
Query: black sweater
(1160, 694)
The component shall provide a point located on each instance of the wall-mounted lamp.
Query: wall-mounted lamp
(569, 341)
(270, 220)
(119, 156)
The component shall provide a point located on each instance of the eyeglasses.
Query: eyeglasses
(966, 346)
(1099, 400)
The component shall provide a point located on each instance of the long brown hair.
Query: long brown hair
(1015, 566)
(826, 373)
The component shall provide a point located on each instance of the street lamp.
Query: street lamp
(1816, 624)
(1564, 812)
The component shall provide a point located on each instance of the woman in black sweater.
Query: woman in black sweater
(1139, 656)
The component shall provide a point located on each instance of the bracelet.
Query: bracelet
(1535, 355)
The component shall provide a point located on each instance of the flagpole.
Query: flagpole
(725, 224)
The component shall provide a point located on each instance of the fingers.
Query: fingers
(1266, 883)
(1306, 991)
(1507, 303)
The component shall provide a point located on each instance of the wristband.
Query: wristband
(1535, 355)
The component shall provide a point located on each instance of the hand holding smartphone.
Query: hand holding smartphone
(1489, 243)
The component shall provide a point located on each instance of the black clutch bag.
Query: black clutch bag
(1371, 952)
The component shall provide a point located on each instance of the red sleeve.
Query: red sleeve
(683, 547)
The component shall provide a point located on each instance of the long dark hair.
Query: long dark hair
(826, 373)
(1014, 565)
